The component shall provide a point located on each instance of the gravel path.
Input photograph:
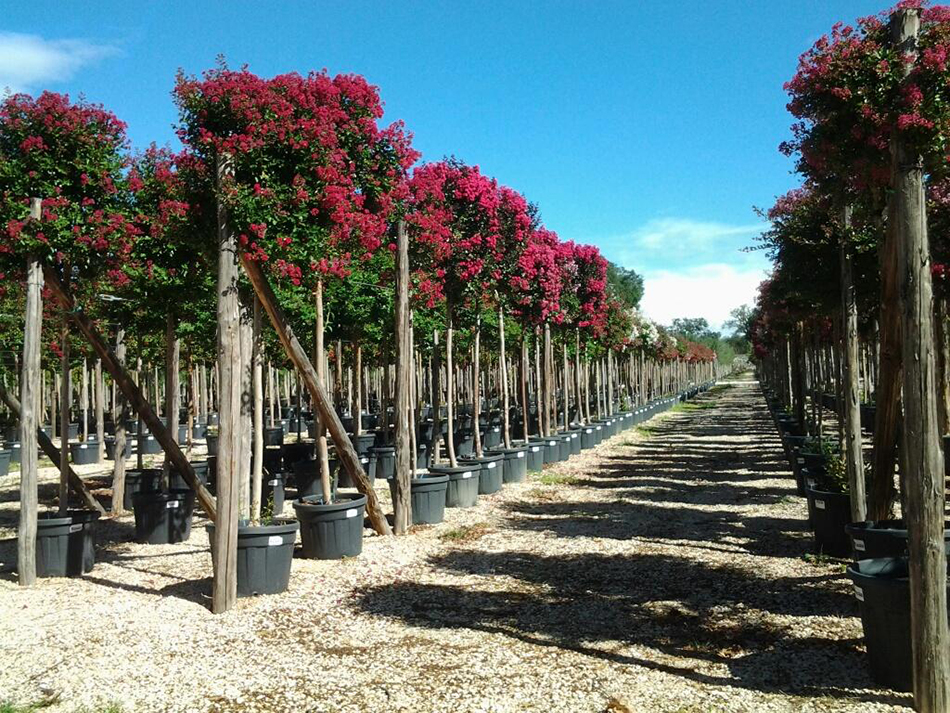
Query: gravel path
(662, 571)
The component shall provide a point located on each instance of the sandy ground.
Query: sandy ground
(665, 570)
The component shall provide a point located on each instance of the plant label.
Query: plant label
(275, 541)
(859, 545)
(820, 504)
(352, 512)
(858, 593)
(466, 475)
(521, 454)
(491, 465)
(75, 528)
(273, 482)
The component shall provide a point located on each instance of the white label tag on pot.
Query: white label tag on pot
(552, 443)
(275, 540)
(273, 482)
(364, 461)
(859, 545)
(535, 449)
(352, 512)
(83, 446)
(588, 430)
(599, 427)
(171, 505)
(490, 465)
(820, 504)
(521, 454)
(858, 593)
(573, 436)
(75, 528)
(801, 461)
(466, 475)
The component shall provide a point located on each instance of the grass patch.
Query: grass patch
(647, 431)
(691, 406)
(543, 494)
(554, 478)
(465, 533)
(825, 561)
(718, 389)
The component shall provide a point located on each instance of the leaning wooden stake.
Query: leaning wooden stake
(131, 390)
(920, 445)
(402, 505)
(52, 452)
(854, 458)
(298, 356)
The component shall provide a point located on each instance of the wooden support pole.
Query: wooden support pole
(64, 400)
(119, 415)
(230, 364)
(298, 356)
(402, 502)
(258, 415)
(854, 457)
(29, 398)
(920, 446)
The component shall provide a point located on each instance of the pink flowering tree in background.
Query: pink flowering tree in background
(454, 231)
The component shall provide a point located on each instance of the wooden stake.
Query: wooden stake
(402, 504)
(920, 445)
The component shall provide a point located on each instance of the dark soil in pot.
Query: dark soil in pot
(331, 531)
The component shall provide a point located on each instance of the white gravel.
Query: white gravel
(661, 571)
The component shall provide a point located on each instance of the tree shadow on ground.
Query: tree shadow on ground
(607, 606)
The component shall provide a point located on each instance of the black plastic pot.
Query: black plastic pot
(883, 538)
(385, 462)
(274, 436)
(427, 495)
(86, 453)
(147, 480)
(575, 434)
(110, 448)
(588, 437)
(5, 458)
(563, 445)
(149, 445)
(516, 463)
(82, 542)
(830, 512)
(464, 443)
(177, 482)
(52, 546)
(14, 448)
(342, 475)
(491, 472)
(272, 490)
(307, 478)
(295, 452)
(163, 518)
(422, 456)
(212, 440)
(883, 590)
(363, 443)
(492, 437)
(462, 489)
(535, 456)
(264, 557)
(333, 531)
(599, 432)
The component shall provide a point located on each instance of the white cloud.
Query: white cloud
(686, 235)
(712, 291)
(30, 61)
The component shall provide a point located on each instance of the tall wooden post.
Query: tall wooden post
(224, 589)
(450, 386)
(257, 414)
(920, 445)
(402, 505)
(29, 403)
(854, 458)
(119, 416)
(503, 365)
(172, 358)
(100, 409)
(319, 354)
(64, 401)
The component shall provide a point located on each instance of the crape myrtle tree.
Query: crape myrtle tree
(65, 210)
(454, 230)
(313, 181)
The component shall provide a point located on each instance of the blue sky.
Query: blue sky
(648, 129)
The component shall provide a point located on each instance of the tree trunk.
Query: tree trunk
(119, 416)
(450, 386)
(503, 365)
(224, 588)
(258, 415)
(64, 399)
(920, 445)
(323, 457)
(405, 458)
(100, 410)
(854, 458)
(172, 356)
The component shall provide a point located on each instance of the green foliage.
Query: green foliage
(625, 285)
